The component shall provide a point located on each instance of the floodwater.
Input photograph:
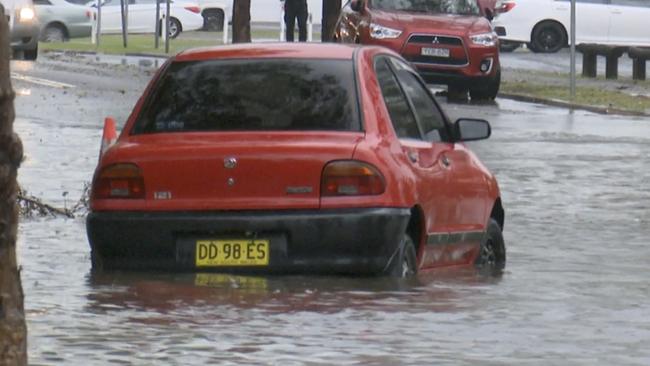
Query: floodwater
(576, 290)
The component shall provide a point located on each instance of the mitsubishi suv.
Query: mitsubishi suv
(448, 42)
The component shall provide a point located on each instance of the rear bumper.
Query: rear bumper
(24, 37)
(359, 241)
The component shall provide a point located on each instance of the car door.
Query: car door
(421, 130)
(629, 22)
(111, 17)
(593, 19)
(142, 15)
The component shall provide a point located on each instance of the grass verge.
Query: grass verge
(586, 95)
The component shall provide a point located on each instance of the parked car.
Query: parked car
(545, 24)
(448, 42)
(142, 17)
(23, 26)
(283, 158)
(61, 20)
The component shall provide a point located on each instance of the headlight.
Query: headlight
(26, 14)
(380, 32)
(485, 39)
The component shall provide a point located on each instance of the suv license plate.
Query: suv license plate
(435, 52)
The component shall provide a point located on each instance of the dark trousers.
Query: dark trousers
(292, 10)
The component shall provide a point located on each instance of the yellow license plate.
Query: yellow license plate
(232, 252)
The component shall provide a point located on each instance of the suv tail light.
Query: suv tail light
(193, 9)
(119, 181)
(351, 178)
(506, 7)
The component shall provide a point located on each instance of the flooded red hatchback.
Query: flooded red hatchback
(282, 158)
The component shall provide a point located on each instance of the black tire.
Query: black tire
(175, 28)
(405, 263)
(508, 46)
(213, 20)
(489, 90)
(492, 253)
(31, 55)
(53, 33)
(548, 37)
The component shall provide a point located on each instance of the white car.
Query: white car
(23, 28)
(545, 24)
(215, 13)
(184, 16)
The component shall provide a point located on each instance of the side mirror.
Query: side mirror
(109, 136)
(468, 129)
(489, 15)
(357, 5)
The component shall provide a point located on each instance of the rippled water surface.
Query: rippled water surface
(576, 189)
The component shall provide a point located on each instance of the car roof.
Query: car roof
(329, 51)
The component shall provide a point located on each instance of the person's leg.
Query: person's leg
(302, 23)
(290, 22)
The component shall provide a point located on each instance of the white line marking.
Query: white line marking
(39, 81)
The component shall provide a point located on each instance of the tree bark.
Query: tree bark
(331, 12)
(241, 21)
(13, 331)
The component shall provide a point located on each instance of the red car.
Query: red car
(448, 42)
(293, 158)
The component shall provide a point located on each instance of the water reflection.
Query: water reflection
(439, 291)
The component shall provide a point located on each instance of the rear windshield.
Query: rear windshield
(458, 7)
(253, 95)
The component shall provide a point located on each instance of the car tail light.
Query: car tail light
(506, 7)
(193, 9)
(351, 178)
(89, 14)
(119, 181)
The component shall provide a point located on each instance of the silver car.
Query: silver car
(23, 26)
(61, 20)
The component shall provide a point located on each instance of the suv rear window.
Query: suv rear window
(253, 95)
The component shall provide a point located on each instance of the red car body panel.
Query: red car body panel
(453, 32)
(453, 201)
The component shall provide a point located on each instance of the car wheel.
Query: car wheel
(31, 55)
(174, 28)
(492, 253)
(405, 263)
(213, 20)
(508, 46)
(548, 37)
(53, 33)
(488, 91)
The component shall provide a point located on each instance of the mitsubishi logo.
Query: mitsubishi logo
(229, 162)
(435, 40)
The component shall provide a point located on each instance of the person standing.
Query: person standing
(296, 9)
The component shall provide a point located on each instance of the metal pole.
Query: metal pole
(122, 10)
(573, 50)
(167, 27)
(99, 21)
(156, 36)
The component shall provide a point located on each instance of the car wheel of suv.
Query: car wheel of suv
(31, 55)
(213, 20)
(489, 90)
(548, 37)
(404, 264)
(174, 28)
(53, 33)
(492, 253)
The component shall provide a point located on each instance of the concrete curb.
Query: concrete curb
(569, 105)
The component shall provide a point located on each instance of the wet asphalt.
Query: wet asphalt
(575, 187)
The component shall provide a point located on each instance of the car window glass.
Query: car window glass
(427, 112)
(460, 7)
(638, 3)
(398, 108)
(246, 95)
(42, 2)
(587, 1)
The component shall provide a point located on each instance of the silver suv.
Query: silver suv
(23, 26)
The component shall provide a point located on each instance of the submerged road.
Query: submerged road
(576, 189)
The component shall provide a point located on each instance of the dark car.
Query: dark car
(448, 42)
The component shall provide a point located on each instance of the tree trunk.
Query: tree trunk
(241, 21)
(331, 12)
(13, 332)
